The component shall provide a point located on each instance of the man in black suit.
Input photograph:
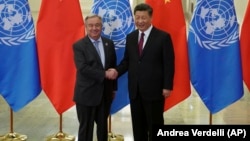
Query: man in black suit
(150, 73)
(93, 91)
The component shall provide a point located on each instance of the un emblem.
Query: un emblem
(16, 24)
(117, 19)
(215, 24)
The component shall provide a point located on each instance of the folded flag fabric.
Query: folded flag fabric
(59, 25)
(19, 70)
(245, 47)
(214, 54)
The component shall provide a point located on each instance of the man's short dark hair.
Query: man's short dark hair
(144, 7)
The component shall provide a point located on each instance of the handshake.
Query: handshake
(111, 74)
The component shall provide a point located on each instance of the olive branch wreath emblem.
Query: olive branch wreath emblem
(10, 40)
(211, 44)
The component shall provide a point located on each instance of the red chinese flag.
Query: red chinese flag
(245, 47)
(60, 24)
(168, 15)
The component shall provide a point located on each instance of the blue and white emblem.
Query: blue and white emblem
(16, 24)
(117, 19)
(214, 24)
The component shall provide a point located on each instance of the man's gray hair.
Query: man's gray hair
(92, 16)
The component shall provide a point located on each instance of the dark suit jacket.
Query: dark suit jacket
(154, 70)
(91, 84)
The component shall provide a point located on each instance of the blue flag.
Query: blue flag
(19, 71)
(117, 23)
(214, 54)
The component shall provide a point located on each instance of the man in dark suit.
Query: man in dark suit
(93, 91)
(150, 73)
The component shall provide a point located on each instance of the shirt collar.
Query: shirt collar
(147, 31)
(92, 40)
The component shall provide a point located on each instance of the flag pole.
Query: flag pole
(111, 135)
(12, 135)
(60, 135)
(109, 124)
(210, 118)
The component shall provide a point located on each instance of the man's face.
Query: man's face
(94, 27)
(142, 20)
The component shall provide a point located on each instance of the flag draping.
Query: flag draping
(169, 16)
(117, 23)
(214, 54)
(19, 70)
(60, 23)
(245, 47)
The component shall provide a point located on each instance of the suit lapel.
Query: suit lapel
(134, 43)
(91, 47)
(149, 42)
(106, 51)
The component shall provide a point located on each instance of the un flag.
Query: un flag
(214, 54)
(19, 73)
(117, 23)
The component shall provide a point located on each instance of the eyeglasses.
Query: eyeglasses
(94, 25)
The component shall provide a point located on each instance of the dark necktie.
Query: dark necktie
(140, 44)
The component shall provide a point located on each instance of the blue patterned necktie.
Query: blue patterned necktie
(96, 44)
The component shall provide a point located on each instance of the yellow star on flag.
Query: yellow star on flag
(167, 1)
